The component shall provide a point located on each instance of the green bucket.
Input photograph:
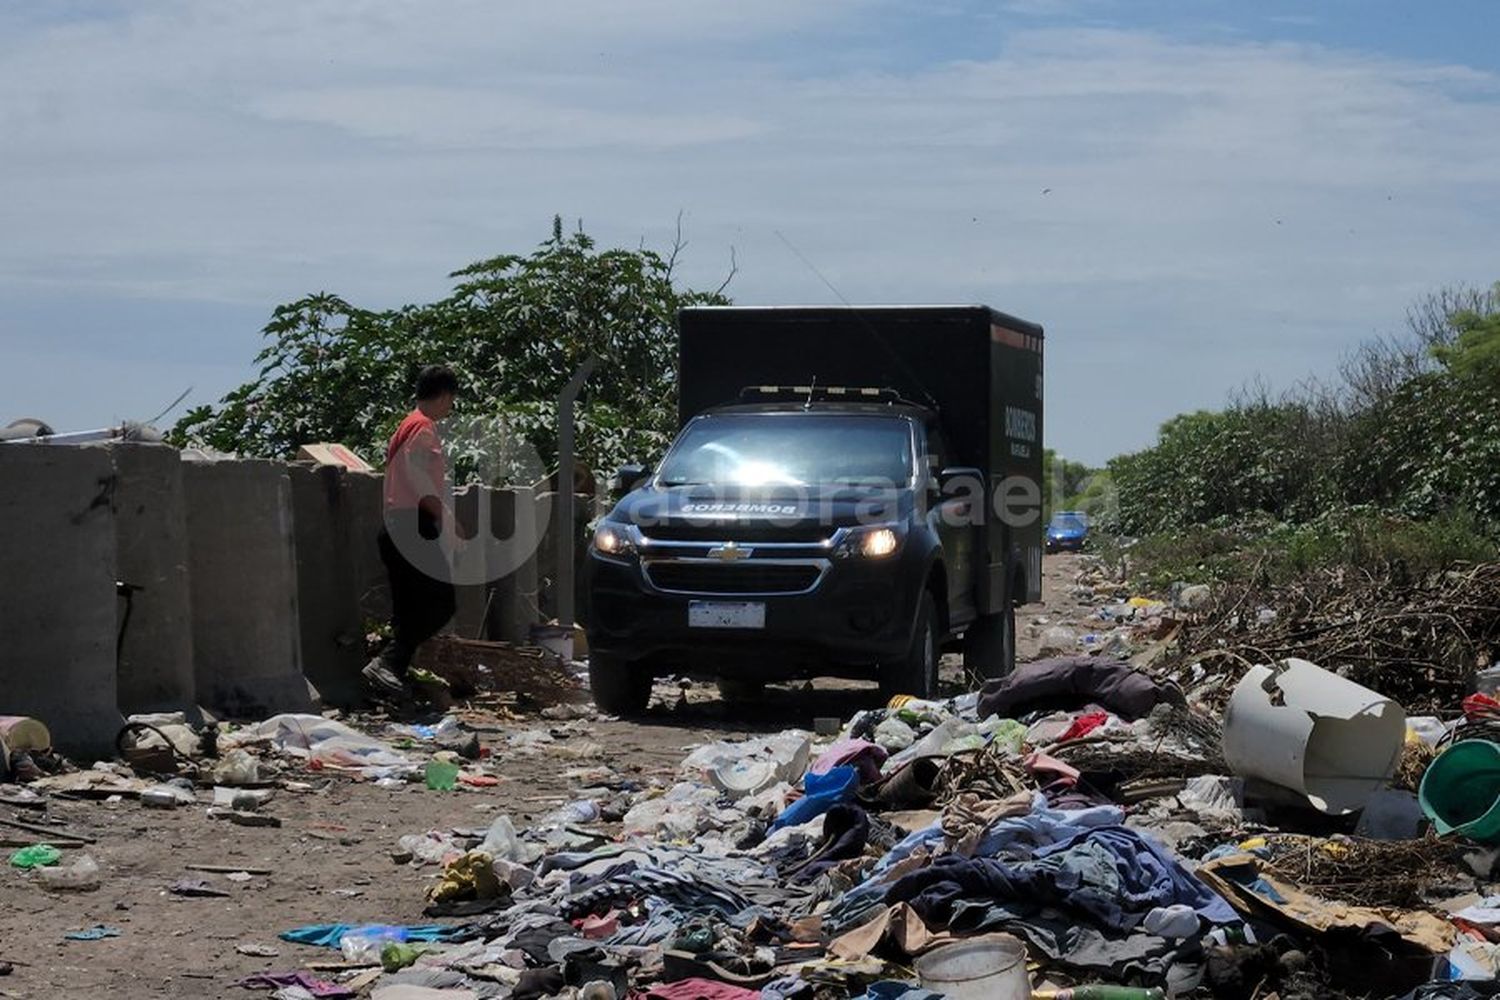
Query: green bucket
(1460, 792)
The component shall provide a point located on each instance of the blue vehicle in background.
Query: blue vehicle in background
(1068, 531)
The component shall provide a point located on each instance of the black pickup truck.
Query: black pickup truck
(852, 491)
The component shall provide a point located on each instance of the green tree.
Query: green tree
(515, 328)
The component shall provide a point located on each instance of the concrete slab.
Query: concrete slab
(57, 631)
(363, 504)
(513, 607)
(247, 648)
(151, 547)
(332, 630)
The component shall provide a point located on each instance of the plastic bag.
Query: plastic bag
(503, 843)
(432, 847)
(35, 856)
(581, 811)
(364, 944)
(237, 768)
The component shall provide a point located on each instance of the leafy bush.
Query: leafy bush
(1418, 439)
(1268, 553)
(515, 328)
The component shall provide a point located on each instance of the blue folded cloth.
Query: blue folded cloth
(821, 792)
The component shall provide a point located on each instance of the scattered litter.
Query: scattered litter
(96, 933)
(35, 856)
(257, 950)
(80, 875)
(195, 887)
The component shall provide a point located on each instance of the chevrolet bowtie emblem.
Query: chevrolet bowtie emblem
(729, 552)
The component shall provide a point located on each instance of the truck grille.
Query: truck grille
(741, 531)
(749, 577)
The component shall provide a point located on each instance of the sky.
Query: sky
(1189, 195)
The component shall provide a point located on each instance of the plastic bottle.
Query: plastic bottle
(81, 876)
(160, 797)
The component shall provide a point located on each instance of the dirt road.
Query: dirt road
(331, 860)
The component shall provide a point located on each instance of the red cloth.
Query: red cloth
(414, 464)
(1481, 706)
(1084, 724)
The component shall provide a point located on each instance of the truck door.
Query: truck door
(958, 534)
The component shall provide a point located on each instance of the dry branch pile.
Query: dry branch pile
(1417, 641)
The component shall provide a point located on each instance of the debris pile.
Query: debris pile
(1080, 813)
(1417, 641)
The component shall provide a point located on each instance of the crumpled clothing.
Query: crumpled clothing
(329, 935)
(471, 876)
(846, 830)
(699, 989)
(1078, 946)
(1451, 991)
(691, 892)
(306, 980)
(785, 988)
(897, 925)
(1072, 683)
(967, 819)
(1112, 874)
(862, 755)
(1017, 836)
(660, 924)
(1150, 875)
(893, 990)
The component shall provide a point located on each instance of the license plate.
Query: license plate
(726, 614)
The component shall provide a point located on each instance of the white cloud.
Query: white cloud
(1180, 214)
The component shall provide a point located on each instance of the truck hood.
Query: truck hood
(760, 509)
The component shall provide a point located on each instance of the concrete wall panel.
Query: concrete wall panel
(332, 630)
(247, 645)
(58, 613)
(156, 655)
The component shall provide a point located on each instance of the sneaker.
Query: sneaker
(381, 681)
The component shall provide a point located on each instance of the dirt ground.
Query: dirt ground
(330, 861)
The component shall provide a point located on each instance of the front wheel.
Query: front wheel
(619, 687)
(736, 689)
(990, 645)
(917, 673)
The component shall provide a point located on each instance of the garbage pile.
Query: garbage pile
(1079, 825)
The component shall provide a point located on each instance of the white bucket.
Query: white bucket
(992, 967)
(22, 733)
(1297, 725)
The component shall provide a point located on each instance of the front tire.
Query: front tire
(619, 687)
(917, 673)
(990, 645)
(736, 689)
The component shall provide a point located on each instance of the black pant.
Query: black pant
(420, 604)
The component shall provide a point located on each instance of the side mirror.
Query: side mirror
(629, 477)
(957, 473)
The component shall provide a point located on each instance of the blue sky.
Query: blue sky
(1188, 195)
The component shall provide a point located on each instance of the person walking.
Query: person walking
(417, 535)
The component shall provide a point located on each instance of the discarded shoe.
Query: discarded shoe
(382, 683)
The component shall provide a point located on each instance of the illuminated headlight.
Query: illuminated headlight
(878, 544)
(871, 543)
(612, 540)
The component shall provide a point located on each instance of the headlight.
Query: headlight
(870, 543)
(878, 544)
(613, 540)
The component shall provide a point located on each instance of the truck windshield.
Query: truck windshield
(791, 449)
